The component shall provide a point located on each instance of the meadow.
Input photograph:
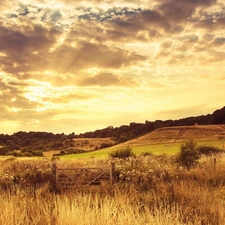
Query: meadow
(162, 148)
(150, 189)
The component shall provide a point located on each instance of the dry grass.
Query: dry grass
(179, 134)
(82, 209)
(150, 190)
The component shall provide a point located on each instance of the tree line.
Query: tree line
(133, 130)
(33, 143)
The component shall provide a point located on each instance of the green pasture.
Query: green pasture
(155, 149)
(165, 148)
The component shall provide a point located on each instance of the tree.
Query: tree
(189, 154)
(122, 153)
(4, 150)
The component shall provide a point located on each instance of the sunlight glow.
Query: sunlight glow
(13, 109)
(108, 62)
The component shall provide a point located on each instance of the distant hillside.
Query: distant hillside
(180, 134)
(34, 143)
(128, 132)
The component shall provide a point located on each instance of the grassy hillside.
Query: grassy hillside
(165, 140)
(83, 145)
(171, 135)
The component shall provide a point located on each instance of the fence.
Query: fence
(82, 176)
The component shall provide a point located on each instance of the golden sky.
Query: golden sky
(76, 66)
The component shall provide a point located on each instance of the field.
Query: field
(166, 148)
(165, 140)
(149, 190)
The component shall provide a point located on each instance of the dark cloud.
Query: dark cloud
(104, 15)
(27, 39)
(29, 48)
(211, 23)
(217, 42)
(179, 11)
(124, 28)
(20, 46)
(24, 10)
(56, 16)
(86, 54)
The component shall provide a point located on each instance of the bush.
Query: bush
(189, 154)
(122, 153)
(37, 153)
(4, 150)
(146, 154)
(105, 145)
(209, 150)
(62, 152)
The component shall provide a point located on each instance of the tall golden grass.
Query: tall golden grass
(150, 190)
(82, 209)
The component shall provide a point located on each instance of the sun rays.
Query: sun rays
(108, 63)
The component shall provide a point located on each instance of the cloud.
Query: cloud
(67, 98)
(12, 96)
(27, 39)
(217, 42)
(128, 28)
(19, 47)
(61, 55)
(86, 55)
(107, 79)
(211, 23)
(179, 11)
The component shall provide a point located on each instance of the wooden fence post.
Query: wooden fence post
(214, 163)
(112, 173)
(54, 176)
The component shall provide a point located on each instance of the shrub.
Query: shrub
(27, 154)
(37, 153)
(122, 153)
(189, 154)
(209, 150)
(105, 145)
(4, 150)
(62, 152)
(146, 154)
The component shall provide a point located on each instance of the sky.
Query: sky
(76, 66)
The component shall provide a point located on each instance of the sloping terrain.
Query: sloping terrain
(81, 145)
(90, 144)
(179, 134)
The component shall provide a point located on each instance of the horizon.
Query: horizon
(118, 126)
(85, 65)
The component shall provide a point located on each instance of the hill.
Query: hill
(133, 130)
(81, 145)
(35, 143)
(179, 134)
